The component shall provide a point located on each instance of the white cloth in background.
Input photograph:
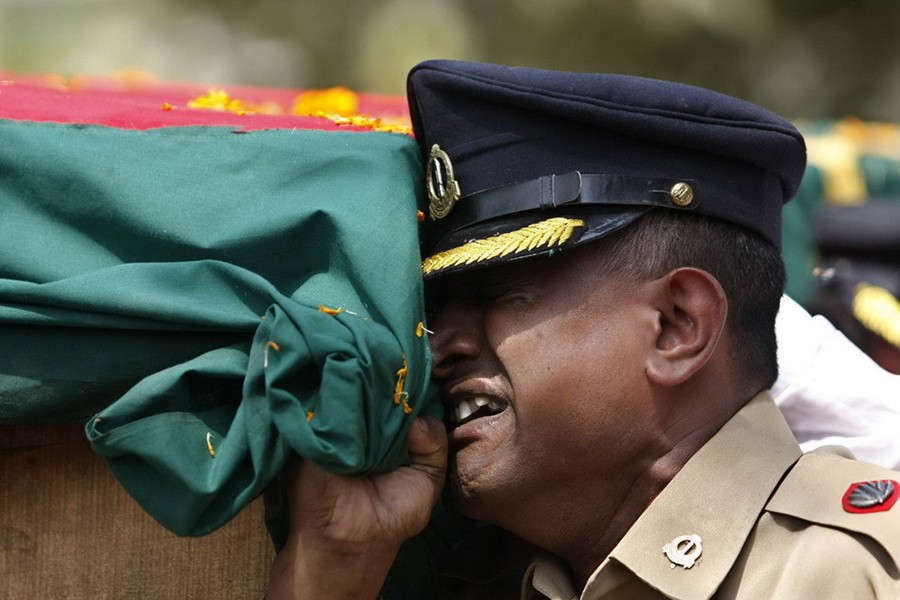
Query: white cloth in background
(831, 393)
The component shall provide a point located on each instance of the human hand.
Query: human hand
(345, 531)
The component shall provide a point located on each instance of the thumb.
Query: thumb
(427, 445)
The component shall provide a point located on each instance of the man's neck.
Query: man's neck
(584, 553)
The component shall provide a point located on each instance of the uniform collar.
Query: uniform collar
(548, 576)
(717, 495)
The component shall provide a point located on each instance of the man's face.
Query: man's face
(541, 366)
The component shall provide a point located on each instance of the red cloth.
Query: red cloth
(142, 104)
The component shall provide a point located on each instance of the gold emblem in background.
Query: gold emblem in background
(878, 310)
(443, 189)
(682, 194)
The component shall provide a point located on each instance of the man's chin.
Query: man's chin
(463, 493)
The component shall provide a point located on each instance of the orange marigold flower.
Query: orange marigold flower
(339, 101)
(373, 123)
(331, 311)
(219, 100)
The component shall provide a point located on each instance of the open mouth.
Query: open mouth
(475, 407)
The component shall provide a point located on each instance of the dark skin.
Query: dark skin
(564, 359)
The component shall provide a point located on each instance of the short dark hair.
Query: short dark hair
(749, 269)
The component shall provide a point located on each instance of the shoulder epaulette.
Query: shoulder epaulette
(835, 491)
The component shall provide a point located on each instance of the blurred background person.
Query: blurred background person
(859, 276)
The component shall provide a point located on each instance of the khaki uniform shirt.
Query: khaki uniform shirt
(770, 524)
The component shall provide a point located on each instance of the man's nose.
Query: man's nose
(457, 336)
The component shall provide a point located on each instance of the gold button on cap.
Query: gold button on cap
(682, 194)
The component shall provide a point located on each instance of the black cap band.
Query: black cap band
(569, 189)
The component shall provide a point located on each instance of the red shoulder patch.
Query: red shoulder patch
(871, 496)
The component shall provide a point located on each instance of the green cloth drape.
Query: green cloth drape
(170, 281)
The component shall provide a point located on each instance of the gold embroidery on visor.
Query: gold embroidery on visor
(544, 234)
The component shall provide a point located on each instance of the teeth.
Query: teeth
(466, 407)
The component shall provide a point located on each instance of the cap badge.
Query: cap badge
(443, 189)
(870, 496)
(684, 550)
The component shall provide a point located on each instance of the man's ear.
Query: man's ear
(692, 309)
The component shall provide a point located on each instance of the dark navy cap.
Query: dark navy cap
(859, 267)
(868, 232)
(522, 161)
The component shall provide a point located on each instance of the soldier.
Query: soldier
(602, 259)
(830, 390)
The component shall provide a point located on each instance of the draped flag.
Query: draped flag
(211, 281)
